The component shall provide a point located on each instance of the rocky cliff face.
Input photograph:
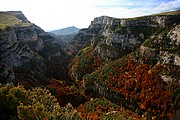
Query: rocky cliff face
(166, 44)
(121, 31)
(14, 48)
(28, 48)
(108, 39)
(85, 35)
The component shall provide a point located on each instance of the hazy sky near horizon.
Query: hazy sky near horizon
(56, 14)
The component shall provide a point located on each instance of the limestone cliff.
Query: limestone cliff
(14, 48)
(29, 50)
(84, 36)
(121, 31)
(156, 37)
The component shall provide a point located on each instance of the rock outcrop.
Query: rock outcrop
(163, 47)
(14, 48)
(86, 35)
(26, 46)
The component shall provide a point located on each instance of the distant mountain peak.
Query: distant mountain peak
(72, 27)
(67, 30)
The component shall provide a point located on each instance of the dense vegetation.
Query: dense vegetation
(85, 63)
(38, 103)
(99, 108)
(140, 86)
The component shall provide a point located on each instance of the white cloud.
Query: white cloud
(164, 6)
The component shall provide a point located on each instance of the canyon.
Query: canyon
(131, 62)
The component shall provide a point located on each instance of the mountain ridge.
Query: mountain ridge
(65, 35)
(99, 23)
(65, 31)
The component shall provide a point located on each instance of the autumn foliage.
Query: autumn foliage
(85, 63)
(65, 93)
(95, 108)
(142, 87)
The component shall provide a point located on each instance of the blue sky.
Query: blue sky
(56, 14)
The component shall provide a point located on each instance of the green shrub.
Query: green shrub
(35, 104)
(41, 105)
(70, 113)
(10, 98)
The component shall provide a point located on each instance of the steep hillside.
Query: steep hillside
(85, 35)
(134, 62)
(115, 38)
(32, 53)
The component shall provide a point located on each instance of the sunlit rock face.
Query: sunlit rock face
(107, 26)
